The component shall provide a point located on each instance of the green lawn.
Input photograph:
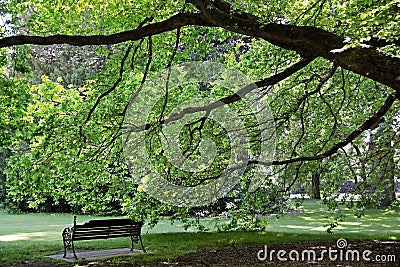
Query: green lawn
(29, 236)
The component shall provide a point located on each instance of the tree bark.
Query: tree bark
(383, 166)
(388, 174)
(4, 154)
(316, 185)
(388, 185)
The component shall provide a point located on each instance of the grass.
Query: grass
(33, 236)
(378, 224)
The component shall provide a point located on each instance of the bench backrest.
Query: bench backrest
(103, 229)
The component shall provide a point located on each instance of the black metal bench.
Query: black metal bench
(102, 229)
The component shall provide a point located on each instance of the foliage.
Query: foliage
(64, 129)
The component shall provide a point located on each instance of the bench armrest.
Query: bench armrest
(67, 234)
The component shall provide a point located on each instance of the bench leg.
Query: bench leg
(136, 239)
(65, 251)
(66, 234)
(141, 243)
(73, 250)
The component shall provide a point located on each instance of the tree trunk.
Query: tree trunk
(4, 153)
(384, 168)
(316, 185)
(388, 175)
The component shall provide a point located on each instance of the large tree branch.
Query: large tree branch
(174, 22)
(370, 122)
(307, 41)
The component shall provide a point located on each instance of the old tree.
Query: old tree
(329, 69)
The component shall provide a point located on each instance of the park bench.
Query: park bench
(102, 229)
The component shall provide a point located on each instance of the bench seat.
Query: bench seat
(102, 229)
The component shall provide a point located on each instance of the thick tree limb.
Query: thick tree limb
(307, 41)
(170, 24)
(376, 117)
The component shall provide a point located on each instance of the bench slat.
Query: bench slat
(107, 229)
(91, 237)
(111, 222)
(94, 231)
(102, 236)
(106, 232)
